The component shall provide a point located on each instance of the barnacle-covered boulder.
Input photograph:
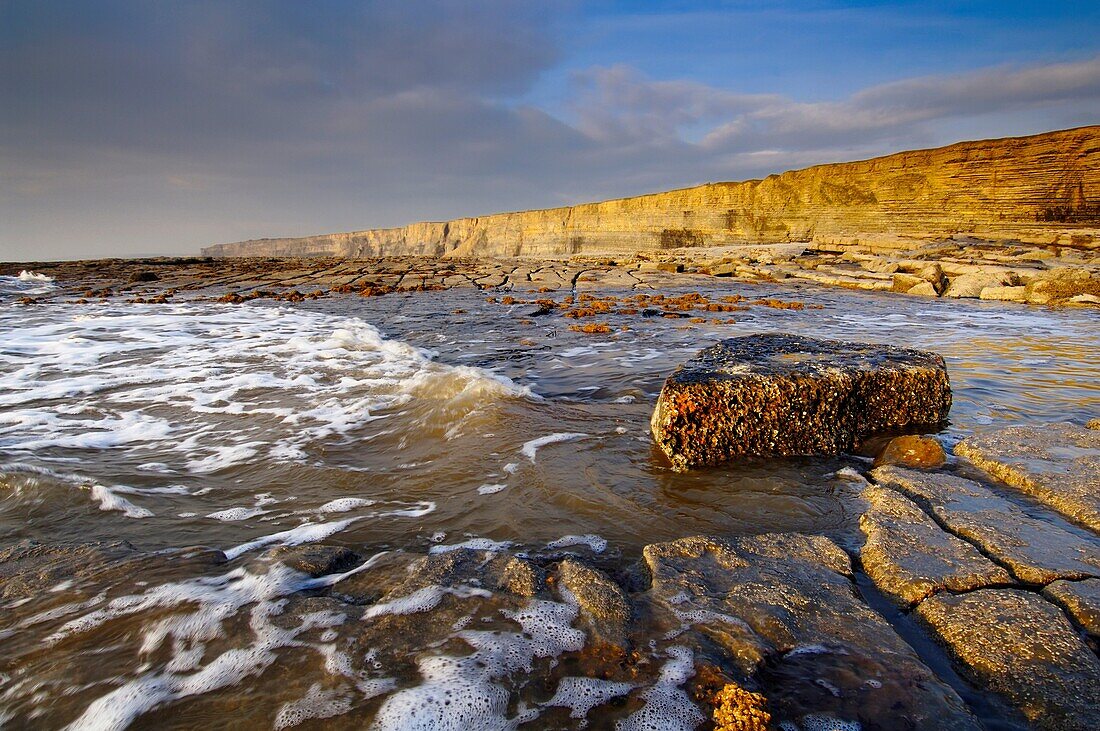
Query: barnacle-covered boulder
(776, 394)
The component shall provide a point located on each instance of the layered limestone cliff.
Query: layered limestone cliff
(1040, 188)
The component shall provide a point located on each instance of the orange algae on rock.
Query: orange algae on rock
(740, 710)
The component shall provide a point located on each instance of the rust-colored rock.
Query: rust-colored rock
(913, 450)
(776, 395)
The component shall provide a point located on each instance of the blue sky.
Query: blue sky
(129, 127)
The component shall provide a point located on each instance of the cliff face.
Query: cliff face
(1016, 188)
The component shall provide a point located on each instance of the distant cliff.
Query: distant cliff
(1021, 187)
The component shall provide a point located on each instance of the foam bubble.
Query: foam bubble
(305, 533)
(423, 600)
(344, 504)
(488, 489)
(232, 515)
(318, 702)
(594, 542)
(667, 707)
(477, 544)
(530, 448)
(460, 692)
(583, 694)
(814, 722)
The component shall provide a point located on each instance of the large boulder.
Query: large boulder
(776, 394)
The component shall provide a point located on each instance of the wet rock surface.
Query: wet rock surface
(909, 557)
(1081, 601)
(1058, 464)
(912, 451)
(784, 606)
(1035, 551)
(775, 394)
(1023, 647)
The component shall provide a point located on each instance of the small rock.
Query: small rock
(913, 450)
(1093, 424)
(1004, 294)
(971, 285)
(316, 559)
(144, 277)
(905, 282)
(924, 289)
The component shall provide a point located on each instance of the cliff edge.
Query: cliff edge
(1041, 189)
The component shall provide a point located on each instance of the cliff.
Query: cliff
(1033, 188)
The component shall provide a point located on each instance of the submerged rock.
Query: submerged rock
(1058, 464)
(910, 558)
(785, 608)
(1023, 647)
(776, 394)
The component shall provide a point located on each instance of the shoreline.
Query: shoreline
(950, 268)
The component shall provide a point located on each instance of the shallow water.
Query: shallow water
(409, 422)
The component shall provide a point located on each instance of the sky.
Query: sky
(139, 127)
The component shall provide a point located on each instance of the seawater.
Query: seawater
(416, 422)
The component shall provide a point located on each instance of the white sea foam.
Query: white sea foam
(344, 504)
(203, 388)
(477, 544)
(232, 515)
(531, 448)
(491, 489)
(199, 608)
(596, 543)
(667, 707)
(304, 533)
(461, 692)
(423, 600)
(26, 284)
(583, 694)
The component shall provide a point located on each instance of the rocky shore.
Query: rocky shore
(975, 581)
(1054, 274)
(778, 630)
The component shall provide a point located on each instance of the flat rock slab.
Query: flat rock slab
(776, 395)
(1037, 552)
(909, 557)
(784, 606)
(1080, 600)
(1023, 647)
(1058, 464)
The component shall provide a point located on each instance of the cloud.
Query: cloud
(134, 127)
(619, 103)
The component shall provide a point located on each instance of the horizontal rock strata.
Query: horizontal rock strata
(775, 394)
(1043, 187)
